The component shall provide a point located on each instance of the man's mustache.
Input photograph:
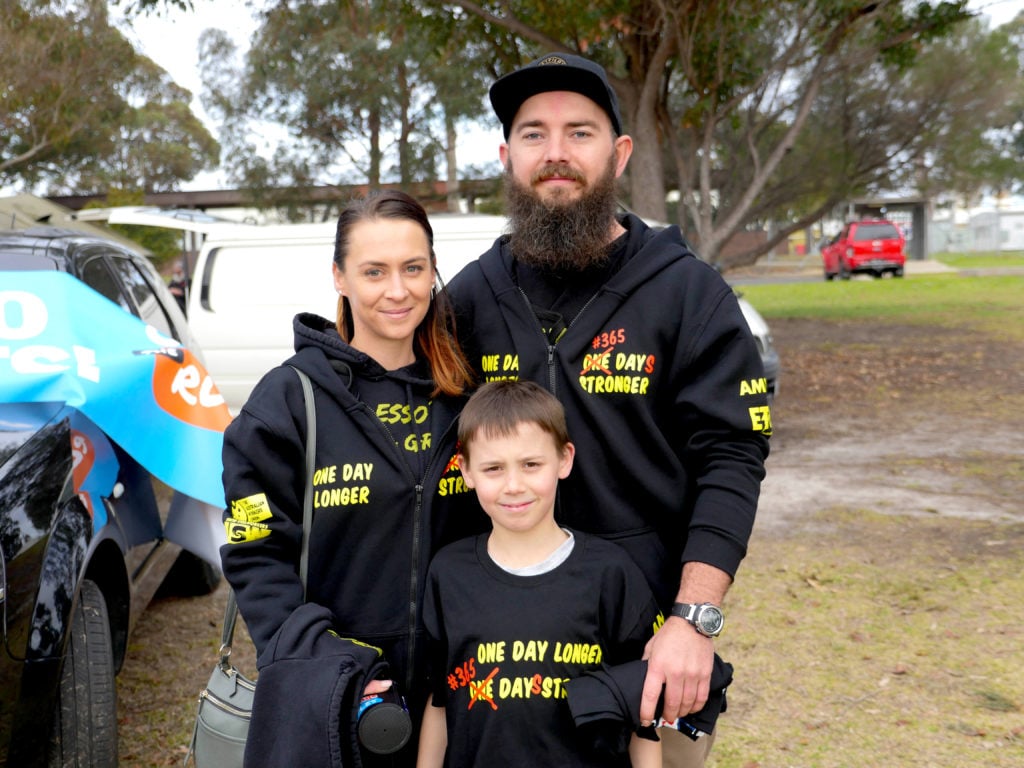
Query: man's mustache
(560, 171)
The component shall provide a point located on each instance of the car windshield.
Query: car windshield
(876, 232)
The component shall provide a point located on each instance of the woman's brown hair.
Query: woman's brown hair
(435, 335)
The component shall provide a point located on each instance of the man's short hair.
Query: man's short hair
(499, 407)
(554, 72)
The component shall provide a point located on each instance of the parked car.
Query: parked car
(76, 567)
(765, 345)
(872, 247)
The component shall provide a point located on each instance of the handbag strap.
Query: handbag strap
(231, 607)
(307, 497)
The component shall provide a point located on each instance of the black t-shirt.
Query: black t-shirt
(504, 646)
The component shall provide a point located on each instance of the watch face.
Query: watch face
(710, 620)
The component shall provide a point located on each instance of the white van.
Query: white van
(249, 282)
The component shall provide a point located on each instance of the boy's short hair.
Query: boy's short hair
(499, 407)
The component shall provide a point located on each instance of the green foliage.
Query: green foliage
(83, 111)
(368, 91)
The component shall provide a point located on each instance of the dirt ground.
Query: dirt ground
(902, 421)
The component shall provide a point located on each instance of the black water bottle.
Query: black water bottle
(383, 722)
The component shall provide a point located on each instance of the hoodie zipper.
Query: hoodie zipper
(417, 552)
(417, 533)
(550, 346)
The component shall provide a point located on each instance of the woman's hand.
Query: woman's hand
(377, 686)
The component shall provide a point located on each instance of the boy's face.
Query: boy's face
(516, 476)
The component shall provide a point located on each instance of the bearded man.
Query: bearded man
(647, 349)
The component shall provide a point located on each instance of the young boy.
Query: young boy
(516, 613)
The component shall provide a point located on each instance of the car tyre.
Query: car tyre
(190, 576)
(85, 722)
(844, 273)
(898, 272)
(829, 276)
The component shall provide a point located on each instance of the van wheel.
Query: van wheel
(85, 723)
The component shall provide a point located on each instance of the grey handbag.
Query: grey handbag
(225, 705)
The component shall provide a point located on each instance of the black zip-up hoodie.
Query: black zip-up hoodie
(387, 495)
(664, 394)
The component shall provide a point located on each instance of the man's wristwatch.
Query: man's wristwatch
(705, 617)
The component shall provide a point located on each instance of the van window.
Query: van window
(260, 275)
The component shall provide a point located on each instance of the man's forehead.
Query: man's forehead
(561, 107)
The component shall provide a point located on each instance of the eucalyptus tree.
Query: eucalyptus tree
(366, 90)
(722, 89)
(83, 112)
(972, 144)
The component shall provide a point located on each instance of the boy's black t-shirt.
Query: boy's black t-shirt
(505, 645)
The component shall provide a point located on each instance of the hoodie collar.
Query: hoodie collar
(314, 331)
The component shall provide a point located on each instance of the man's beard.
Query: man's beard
(561, 236)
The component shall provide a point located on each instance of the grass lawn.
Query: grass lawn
(992, 305)
(981, 259)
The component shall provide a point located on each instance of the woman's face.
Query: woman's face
(387, 277)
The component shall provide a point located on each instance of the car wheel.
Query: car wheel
(190, 576)
(85, 723)
(829, 276)
(898, 272)
(844, 273)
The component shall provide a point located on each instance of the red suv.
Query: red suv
(874, 247)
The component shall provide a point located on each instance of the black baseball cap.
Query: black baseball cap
(554, 72)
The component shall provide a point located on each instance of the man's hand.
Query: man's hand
(680, 659)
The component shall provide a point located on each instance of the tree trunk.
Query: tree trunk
(404, 150)
(646, 176)
(452, 166)
(373, 177)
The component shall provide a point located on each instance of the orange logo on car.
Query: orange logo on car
(184, 389)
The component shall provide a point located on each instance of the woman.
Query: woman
(388, 378)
